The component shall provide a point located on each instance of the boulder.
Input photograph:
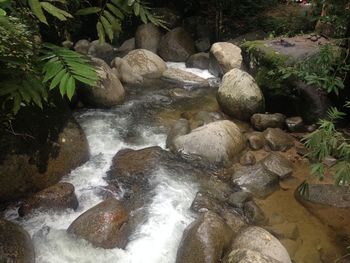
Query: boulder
(256, 140)
(145, 63)
(259, 240)
(58, 197)
(256, 180)
(102, 225)
(250, 36)
(127, 46)
(184, 78)
(279, 165)
(176, 45)
(330, 203)
(247, 256)
(147, 36)
(198, 60)
(108, 92)
(278, 140)
(50, 146)
(261, 122)
(204, 202)
(295, 124)
(239, 96)
(204, 117)
(125, 73)
(218, 142)
(223, 57)
(103, 51)
(82, 46)
(247, 158)
(181, 127)
(205, 240)
(253, 213)
(15, 244)
(238, 199)
(202, 44)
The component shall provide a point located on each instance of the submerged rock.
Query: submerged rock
(198, 60)
(218, 142)
(278, 140)
(256, 180)
(184, 78)
(15, 244)
(330, 203)
(145, 63)
(108, 92)
(239, 96)
(181, 127)
(148, 36)
(177, 45)
(223, 57)
(102, 225)
(60, 196)
(261, 122)
(205, 240)
(259, 240)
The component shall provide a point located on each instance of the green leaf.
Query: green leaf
(37, 10)
(131, 2)
(63, 83)
(115, 11)
(86, 80)
(70, 87)
(100, 32)
(137, 9)
(112, 20)
(16, 103)
(108, 27)
(56, 12)
(57, 79)
(52, 70)
(88, 11)
(143, 16)
(2, 12)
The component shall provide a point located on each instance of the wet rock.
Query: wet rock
(259, 240)
(278, 140)
(82, 46)
(295, 124)
(147, 36)
(198, 60)
(239, 96)
(108, 92)
(102, 225)
(205, 240)
(279, 165)
(247, 159)
(256, 180)
(261, 121)
(204, 202)
(184, 78)
(202, 44)
(52, 145)
(58, 197)
(218, 142)
(102, 51)
(284, 231)
(247, 256)
(254, 213)
(126, 47)
(131, 168)
(237, 199)
(146, 63)
(181, 127)
(205, 117)
(124, 72)
(223, 57)
(15, 244)
(256, 140)
(177, 45)
(234, 220)
(324, 200)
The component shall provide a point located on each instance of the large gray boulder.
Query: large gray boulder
(239, 96)
(184, 78)
(145, 63)
(102, 225)
(247, 256)
(58, 197)
(177, 45)
(223, 57)
(147, 36)
(125, 73)
(104, 51)
(108, 92)
(15, 244)
(198, 60)
(256, 179)
(259, 240)
(218, 142)
(205, 240)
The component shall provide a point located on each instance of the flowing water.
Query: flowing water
(142, 121)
